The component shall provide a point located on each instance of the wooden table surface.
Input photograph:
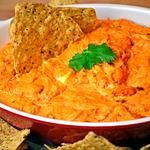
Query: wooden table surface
(7, 6)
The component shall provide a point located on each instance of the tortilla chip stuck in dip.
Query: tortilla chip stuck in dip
(39, 32)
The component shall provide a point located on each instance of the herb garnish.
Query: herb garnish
(92, 55)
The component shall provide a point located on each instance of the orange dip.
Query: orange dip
(108, 92)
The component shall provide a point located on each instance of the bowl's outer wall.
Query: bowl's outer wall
(65, 133)
(68, 134)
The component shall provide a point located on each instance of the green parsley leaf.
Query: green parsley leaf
(77, 62)
(105, 53)
(92, 55)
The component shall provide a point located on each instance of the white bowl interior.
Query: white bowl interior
(137, 14)
(4, 32)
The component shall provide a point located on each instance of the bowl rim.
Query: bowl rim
(111, 5)
(82, 124)
(73, 123)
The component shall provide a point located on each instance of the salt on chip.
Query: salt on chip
(147, 147)
(11, 138)
(39, 32)
(91, 141)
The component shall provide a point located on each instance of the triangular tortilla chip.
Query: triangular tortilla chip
(11, 138)
(40, 32)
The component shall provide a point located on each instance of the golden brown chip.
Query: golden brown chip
(11, 138)
(62, 2)
(85, 17)
(91, 141)
(40, 32)
(5, 128)
(147, 147)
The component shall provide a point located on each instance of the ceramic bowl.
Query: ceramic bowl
(66, 131)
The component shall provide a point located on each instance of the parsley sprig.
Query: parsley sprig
(94, 54)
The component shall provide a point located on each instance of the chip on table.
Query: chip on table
(91, 142)
(11, 138)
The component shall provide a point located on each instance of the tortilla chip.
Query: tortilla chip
(11, 138)
(5, 128)
(62, 2)
(147, 147)
(85, 17)
(39, 32)
(91, 141)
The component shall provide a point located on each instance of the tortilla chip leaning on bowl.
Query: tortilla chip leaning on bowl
(11, 138)
(85, 17)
